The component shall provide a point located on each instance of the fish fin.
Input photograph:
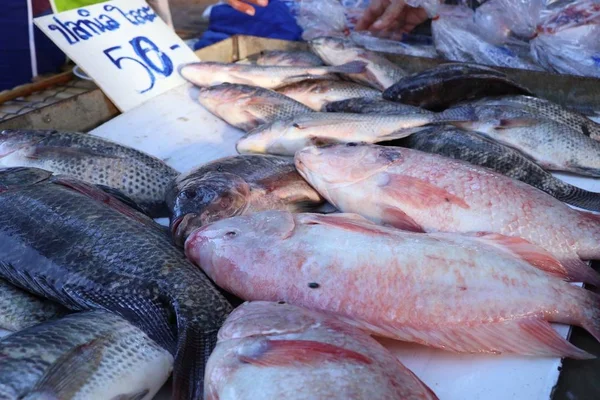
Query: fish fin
(530, 336)
(527, 251)
(580, 271)
(417, 192)
(46, 152)
(277, 353)
(350, 222)
(70, 372)
(122, 197)
(133, 396)
(352, 67)
(591, 315)
(516, 123)
(194, 347)
(402, 133)
(400, 220)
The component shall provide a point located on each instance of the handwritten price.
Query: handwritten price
(149, 57)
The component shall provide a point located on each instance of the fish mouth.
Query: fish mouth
(180, 228)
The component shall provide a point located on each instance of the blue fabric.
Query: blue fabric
(273, 21)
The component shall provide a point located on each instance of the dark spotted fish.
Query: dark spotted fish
(441, 87)
(478, 150)
(236, 185)
(247, 107)
(63, 244)
(87, 355)
(91, 159)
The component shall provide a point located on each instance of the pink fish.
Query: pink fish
(463, 293)
(424, 192)
(279, 351)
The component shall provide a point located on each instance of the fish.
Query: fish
(284, 58)
(542, 108)
(247, 107)
(285, 137)
(92, 159)
(317, 94)
(423, 192)
(553, 145)
(475, 149)
(477, 293)
(86, 355)
(364, 105)
(268, 350)
(210, 73)
(19, 309)
(380, 72)
(63, 244)
(236, 185)
(439, 88)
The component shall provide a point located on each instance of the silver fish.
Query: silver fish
(365, 105)
(19, 309)
(554, 146)
(89, 355)
(284, 58)
(247, 107)
(92, 159)
(266, 76)
(285, 137)
(380, 73)
(317, 94)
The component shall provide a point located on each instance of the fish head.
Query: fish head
(12, 140)
(334, 50)
(341, 164)
(234, 103)
(271, 138)
(207, 198)
(201, 73)
(224, 248)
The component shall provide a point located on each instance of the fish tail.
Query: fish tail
(589, 306)
(576, 196)
(580, 271)
(194, 347)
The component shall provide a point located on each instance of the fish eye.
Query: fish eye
(351, 144)
(231, 234)
(189, 193)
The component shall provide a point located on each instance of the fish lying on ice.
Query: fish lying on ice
(478, 150)
(280, 351)
(19, 309)
(441, 87)
(69, 247)
(284, 58)
(425, 192)
(266, 76)
(317, 94)
(234, 186)
(285, 137)
(380, 73)
(462, 293)
(91, 159)
(553, 145)
(83, 356)
(248, 107)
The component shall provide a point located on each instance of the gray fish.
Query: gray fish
(91, 159)
(554, 146)
(235, 186)
(247, 107)
(380, 72)
(88, 355)
(541, 108)
(266, 76)
(19, 309)
(66, 246)
(441, 87)
(365, 105)
(478, 150)
(284, 58)
(286, 136)
(317, 94)
(19, 176)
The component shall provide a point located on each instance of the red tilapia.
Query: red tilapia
(424, 192)
(279, 351)
(477, 293)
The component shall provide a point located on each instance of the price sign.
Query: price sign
(124, 46)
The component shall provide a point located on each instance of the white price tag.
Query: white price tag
(124, 46)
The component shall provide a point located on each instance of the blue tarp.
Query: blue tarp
(273, 21)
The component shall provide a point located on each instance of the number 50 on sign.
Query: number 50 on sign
(123, 45)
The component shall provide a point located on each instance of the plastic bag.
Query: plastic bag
(508, 21)
(322, 18)
(456, 37)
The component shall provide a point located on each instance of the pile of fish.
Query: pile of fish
(364, 202)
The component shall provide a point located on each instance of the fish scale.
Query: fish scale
(63, 245)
